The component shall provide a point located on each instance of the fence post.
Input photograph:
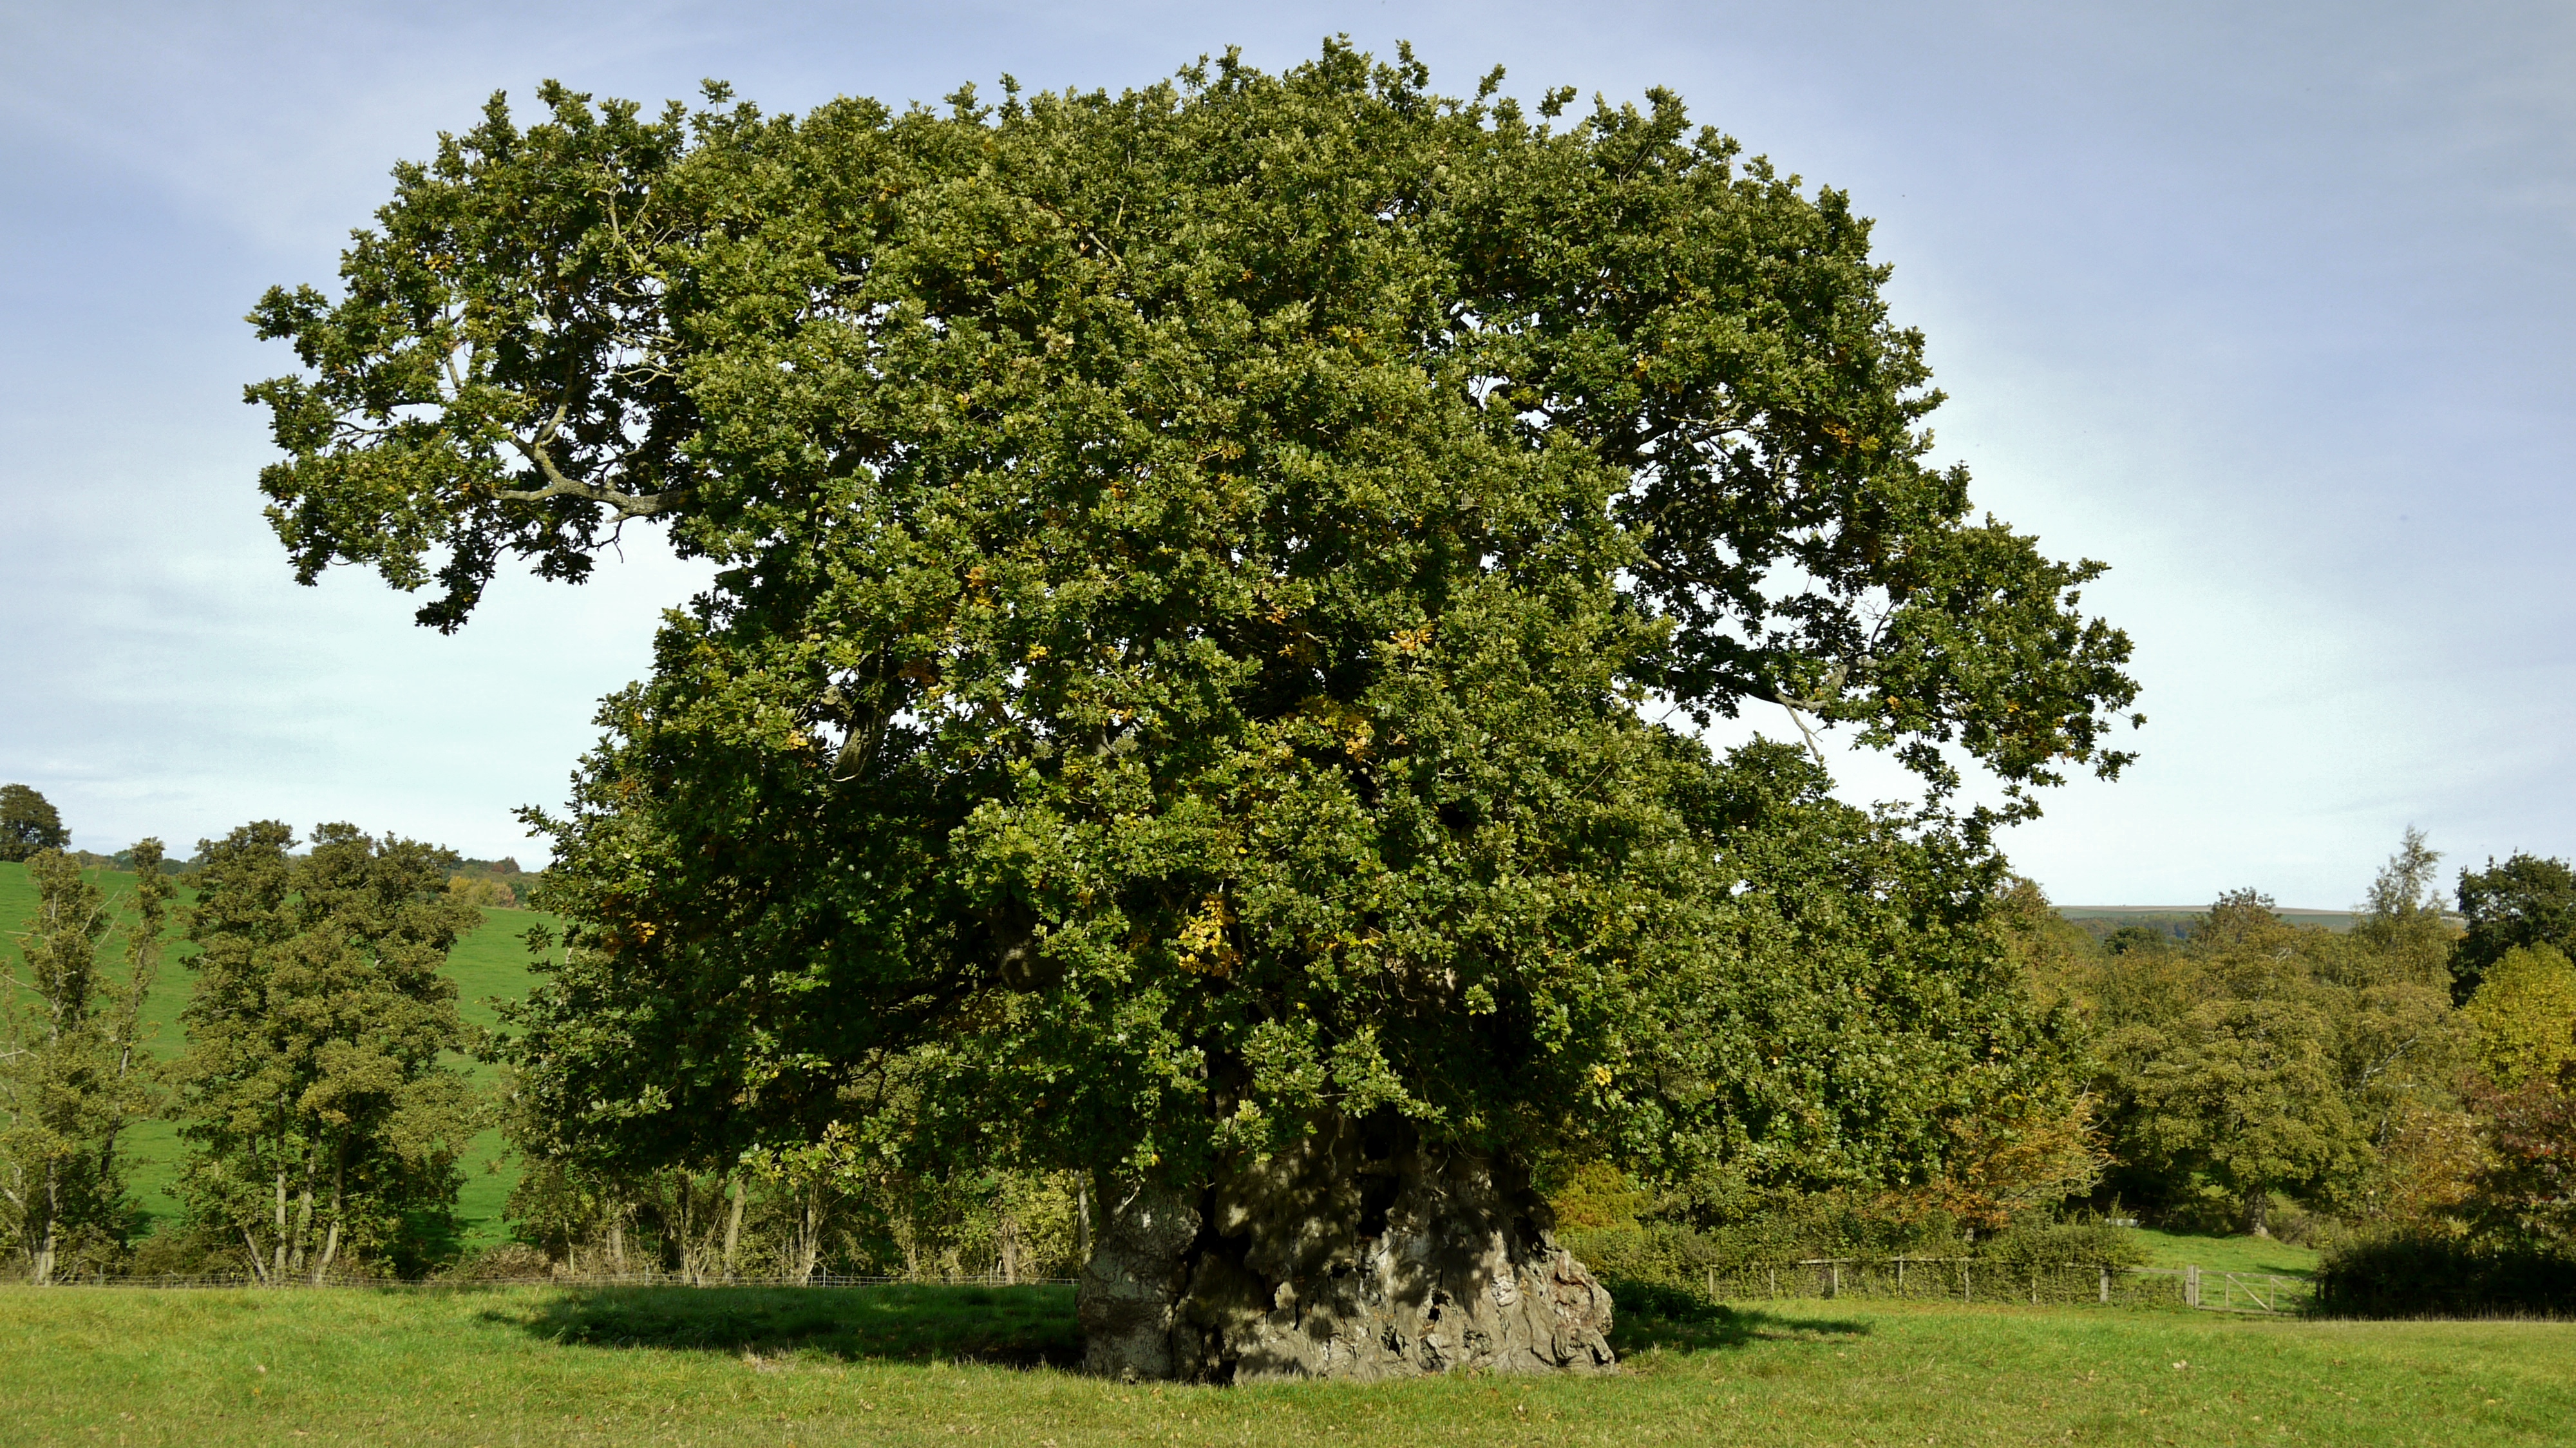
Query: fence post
(2191, 1286)
(2106, 1282)
(1775, 1280)
(1900, 1274)
(1834, 1279)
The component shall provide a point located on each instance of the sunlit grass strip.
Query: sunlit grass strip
(534, 1366)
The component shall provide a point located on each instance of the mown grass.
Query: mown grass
(531, 1366)
(487, 965)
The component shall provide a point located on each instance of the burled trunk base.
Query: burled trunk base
(1346, 1258)
(1134, 1281)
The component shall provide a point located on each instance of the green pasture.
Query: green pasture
(2227, 1254)
(490, 964)
(527, 1366)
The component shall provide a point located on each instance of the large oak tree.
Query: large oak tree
(1210, 578)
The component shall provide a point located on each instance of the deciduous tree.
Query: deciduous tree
(1205, 577)
(71, 1078)
(28, 823)
(315, 1105)
(2527, 900)
(2220, 1067)
(2522, 1020)
(2524, 1193)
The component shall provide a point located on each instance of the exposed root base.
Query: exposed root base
(1360, 1255)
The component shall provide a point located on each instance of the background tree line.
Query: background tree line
(2407, 1082)
(2404, 1087)
(2402, 1095)
(321, 1125)
(2399, 1094)
(2385, 1080)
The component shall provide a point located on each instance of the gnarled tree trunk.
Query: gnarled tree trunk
(1359, 1254)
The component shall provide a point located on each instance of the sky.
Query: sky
(2266, 307)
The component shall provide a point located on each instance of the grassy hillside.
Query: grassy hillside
(490, 964)
(452, 1368)
(2227, 1254)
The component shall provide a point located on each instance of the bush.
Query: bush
(1636, 1299)
(507, 1262)
(2056, 1244)
(185, 1250)
(2421, 1275)
(1660, 1255)
(2301, 1227)
(1670, 1255)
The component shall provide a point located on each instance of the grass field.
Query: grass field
(491, 963)
(2227, 1254)
(530, 1366)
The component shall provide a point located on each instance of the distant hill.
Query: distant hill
(2177, 920)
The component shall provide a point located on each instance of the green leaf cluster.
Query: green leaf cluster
(2522, 1021)
(2529, 900)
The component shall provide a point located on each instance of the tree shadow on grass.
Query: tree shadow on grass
(1648, 1317)
(1007, 1326)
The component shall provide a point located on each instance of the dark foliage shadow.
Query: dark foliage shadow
(1648, 1316)
(2400, 1277)
(1007, 1326)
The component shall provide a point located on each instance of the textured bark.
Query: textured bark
(1358, 1255)
(1132, 1286)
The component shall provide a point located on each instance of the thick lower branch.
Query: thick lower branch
(628, 505)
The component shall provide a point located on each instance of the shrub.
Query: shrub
(2415, 1274)
(1674, 1256)
(506, 1262)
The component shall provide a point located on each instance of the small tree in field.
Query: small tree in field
(28, 823)
(314, 1103)
(1207, 575)
(72, 1075)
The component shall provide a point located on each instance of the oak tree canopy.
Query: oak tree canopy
(1212, 581)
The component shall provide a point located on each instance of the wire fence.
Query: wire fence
(1980, 1279)
(1915, 1279)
